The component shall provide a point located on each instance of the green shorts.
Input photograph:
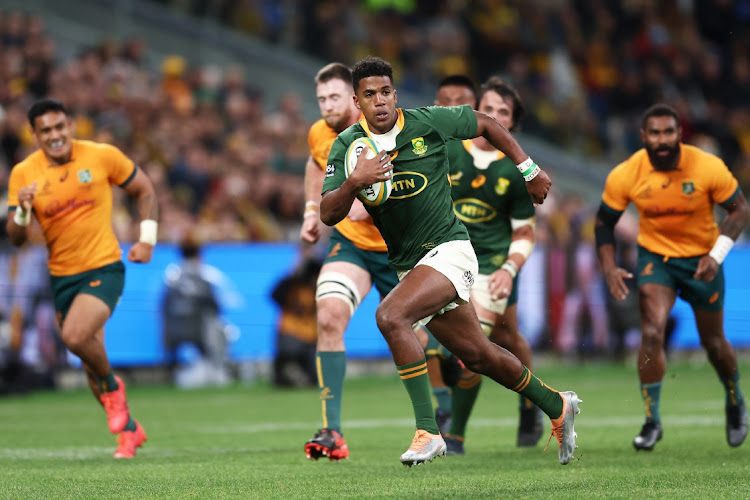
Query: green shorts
(376, 263)
(105, 282)
(677, 274)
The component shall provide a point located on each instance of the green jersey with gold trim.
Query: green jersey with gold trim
(488, 190)
(418, 215)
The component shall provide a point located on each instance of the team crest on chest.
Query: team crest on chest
(688, 188)
(84, 176)
(502, 186)
(419, 147)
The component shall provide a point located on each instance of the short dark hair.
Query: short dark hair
(371, 66)
(334, 70)
(459, 81)
(659, 110)
(43, 106)
(504, 90)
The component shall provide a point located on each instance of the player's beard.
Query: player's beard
(337, 122)
(666, 162)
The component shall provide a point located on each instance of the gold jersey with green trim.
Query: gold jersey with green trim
(676, 207)
(488, 190)
(418, 215)
(73, 204)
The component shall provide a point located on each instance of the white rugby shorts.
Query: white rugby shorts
(456, 261)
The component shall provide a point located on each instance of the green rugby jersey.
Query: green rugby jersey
(485, 200)
(418, 216)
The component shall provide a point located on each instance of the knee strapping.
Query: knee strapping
(340, 286)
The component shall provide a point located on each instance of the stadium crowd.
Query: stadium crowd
(586, 69)
(227, 169)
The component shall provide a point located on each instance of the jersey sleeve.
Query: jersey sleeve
(319, 140)
(121, 169)
(616, 195)
(15, 183)
(454, 122)
(723, 183)
(335, 175)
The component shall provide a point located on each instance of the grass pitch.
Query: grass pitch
(247, 442)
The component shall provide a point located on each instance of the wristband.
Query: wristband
(311, 207)
(523, 247)
(22, 217)
(721, 248)
(510, 267)
(149, 230)
(528, 169)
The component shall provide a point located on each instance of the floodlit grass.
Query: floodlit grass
(247, 442)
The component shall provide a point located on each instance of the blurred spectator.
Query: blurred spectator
(294, 365)
(194, 334)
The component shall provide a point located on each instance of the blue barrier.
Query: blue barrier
(248, 273)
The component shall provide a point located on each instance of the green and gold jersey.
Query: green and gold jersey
(418, 216)
(485, 199)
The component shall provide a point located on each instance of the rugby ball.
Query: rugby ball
(374, 194)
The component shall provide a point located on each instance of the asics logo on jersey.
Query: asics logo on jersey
(433, 254)
(95, 283)
(478, 181)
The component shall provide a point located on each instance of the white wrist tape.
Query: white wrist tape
(528, 169)
(22, 217)
(510, 267)
(721, 248)
(149, 230)
(311, 208)
(523, 247)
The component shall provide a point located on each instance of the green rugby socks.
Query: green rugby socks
(651, 394)
(415, 379)
(331, 367)
(542, 395)
(464, 396)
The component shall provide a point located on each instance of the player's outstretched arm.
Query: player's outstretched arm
(142, 190)
(736, 220)
(604, 229)
(310, 230)
(537, 180)
(17, 225)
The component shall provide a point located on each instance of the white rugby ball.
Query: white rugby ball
(374, 194)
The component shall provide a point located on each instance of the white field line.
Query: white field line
(93, 452)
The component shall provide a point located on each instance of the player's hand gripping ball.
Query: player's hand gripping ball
(374, 194)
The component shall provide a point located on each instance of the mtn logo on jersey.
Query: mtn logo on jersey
(472, 211)
(407, 184)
